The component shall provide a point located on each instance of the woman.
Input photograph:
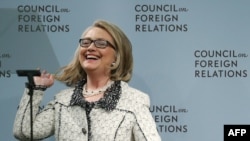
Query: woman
(100, 106)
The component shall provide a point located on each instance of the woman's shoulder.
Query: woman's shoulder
(130, 91)
(133, 96)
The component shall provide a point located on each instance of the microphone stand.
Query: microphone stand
(30, 85)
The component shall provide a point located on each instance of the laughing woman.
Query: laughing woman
(99, 104)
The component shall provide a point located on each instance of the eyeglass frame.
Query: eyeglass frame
(94, 41)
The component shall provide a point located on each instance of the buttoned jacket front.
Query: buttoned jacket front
(129, 120)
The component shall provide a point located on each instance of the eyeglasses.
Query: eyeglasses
(98, 43)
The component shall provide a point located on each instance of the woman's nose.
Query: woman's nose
(92, 46)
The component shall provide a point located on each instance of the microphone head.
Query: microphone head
(28, 72)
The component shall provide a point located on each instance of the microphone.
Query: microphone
(29, 73)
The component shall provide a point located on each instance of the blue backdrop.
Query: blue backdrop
(191, 57)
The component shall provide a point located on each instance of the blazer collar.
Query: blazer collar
(108, 102)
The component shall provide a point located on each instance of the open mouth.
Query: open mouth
(91, 57)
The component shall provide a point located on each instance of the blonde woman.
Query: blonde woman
(99, 105)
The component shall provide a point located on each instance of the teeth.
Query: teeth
(91, 57)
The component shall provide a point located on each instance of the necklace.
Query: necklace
(101, 90)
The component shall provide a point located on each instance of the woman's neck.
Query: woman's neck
(96, 83)
(94, 88)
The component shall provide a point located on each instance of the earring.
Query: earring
(113, 64)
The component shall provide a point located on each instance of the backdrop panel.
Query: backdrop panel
(191, 57)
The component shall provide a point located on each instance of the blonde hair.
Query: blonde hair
(121, 70)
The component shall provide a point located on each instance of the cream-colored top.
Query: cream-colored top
(130, 120)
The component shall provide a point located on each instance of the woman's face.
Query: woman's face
(94, 59)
